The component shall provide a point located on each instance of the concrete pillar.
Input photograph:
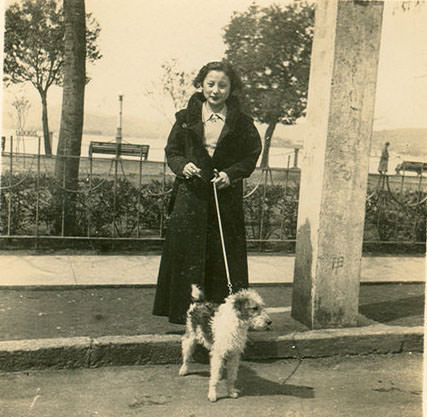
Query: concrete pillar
(334, 169)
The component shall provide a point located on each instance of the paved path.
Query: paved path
(133, 269)
(381, 385)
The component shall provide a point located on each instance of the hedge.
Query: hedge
(270, 213)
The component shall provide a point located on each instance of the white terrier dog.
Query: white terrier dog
(223, 331)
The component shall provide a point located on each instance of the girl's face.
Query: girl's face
(216, 89)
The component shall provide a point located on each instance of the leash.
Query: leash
(221, 234)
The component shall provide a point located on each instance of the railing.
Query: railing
(121, 198)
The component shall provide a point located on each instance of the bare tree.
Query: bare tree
(175, 85)
(22, 106)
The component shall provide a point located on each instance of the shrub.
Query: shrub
(270, 213)
(94, 206)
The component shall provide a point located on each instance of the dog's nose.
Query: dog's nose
(269, 322)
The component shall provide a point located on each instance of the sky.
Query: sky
(139, 35)
(142, 35)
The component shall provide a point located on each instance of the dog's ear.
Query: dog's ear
(241, 306)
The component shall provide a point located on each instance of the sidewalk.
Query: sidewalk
(41, 270)
(90, 311)
(386, 385)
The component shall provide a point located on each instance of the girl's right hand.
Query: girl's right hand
(191, 170)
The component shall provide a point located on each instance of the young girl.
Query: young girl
(211, 135)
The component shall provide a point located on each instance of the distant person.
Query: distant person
(383, 165)
(211, 134)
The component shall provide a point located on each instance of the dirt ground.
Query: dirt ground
(374, 385)
(126, 310)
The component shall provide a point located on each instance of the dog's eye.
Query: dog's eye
(256, 308)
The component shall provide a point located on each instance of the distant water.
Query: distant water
(29, 145)
(279, 157)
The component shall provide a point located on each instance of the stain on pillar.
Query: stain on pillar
(301, 293)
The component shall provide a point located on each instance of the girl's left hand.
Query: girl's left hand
(222, 180)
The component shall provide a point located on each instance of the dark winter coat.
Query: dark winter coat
(192, 251)
(383, 164)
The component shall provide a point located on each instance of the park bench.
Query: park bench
(113, 148)
(412, 166)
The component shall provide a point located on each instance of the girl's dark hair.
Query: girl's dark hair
(223, 66)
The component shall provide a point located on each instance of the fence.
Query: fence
(120, 198)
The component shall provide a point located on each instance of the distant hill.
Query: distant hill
(95, 124)
(402, 141)
(132, 127)
(406, 141)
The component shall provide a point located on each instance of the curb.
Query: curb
(86, 352)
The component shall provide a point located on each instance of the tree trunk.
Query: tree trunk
(70, 133)
(45, 124)
(267, 142)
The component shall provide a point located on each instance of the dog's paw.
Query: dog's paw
(234, 393)
(212, 396)
(183, 370)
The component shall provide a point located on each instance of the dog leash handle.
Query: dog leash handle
(221, 234)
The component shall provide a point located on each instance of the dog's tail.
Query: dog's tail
(197, 294)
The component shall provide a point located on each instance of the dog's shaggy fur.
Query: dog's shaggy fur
(223, 331)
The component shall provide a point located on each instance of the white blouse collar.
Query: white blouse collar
(207, 112)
